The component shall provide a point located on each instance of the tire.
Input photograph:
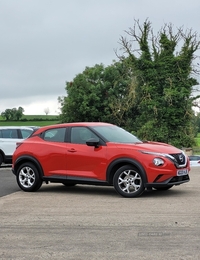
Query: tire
(163, 188)
(128, 182)
(1, 159)
(28, 177)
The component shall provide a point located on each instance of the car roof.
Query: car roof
(43, 128)
(16, 127)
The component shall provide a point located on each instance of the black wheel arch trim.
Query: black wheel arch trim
(122, 161)
(24, 159)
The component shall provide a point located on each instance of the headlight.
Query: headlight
(158, 161)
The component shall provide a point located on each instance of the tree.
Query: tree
(13, 114)
(99, 94)
(46, 111)
(148, 91)
(164, 82)
(7, 114)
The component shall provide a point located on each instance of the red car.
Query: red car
(97, 154)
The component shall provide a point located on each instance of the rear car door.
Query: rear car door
(53, 153)
(8, 139)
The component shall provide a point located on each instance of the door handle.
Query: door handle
(72, 150)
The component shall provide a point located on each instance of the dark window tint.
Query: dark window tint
(9, 133)
(55, 135)
(79, 135)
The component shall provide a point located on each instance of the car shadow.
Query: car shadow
(79, 189)
(5, 166)
(104, 191)
(163, 193)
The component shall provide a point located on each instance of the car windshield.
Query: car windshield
(116, 134)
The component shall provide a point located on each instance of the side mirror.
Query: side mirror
(93, 142)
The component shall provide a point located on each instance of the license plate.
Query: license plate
(182, 172)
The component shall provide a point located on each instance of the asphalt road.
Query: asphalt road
(8, 182)
(88, 222)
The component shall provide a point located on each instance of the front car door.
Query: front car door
(83, 160)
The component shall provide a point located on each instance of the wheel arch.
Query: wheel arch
(28, 158)
(2, 155)
(117, 163)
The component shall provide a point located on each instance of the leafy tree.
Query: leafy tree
(164, 82)
(7, 114)
(13, 114)
(99, 94)
(147, 91)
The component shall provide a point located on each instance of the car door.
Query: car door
(9, 138)
(53, 152)
(82, 160)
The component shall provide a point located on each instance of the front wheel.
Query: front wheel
(128, 181)
(28, 177)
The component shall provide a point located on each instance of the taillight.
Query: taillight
(198, 162)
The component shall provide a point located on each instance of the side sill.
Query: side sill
(69, 179)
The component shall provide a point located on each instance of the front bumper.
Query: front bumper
(176, 180)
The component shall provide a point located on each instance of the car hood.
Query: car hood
(151, 147)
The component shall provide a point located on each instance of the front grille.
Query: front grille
(180, 159)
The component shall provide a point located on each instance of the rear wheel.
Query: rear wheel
(128, 181)
(28, 177)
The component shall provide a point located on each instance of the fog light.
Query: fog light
(158, 161)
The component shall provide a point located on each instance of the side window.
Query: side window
(79, 135)
(0, 134)
(9, 133)
(26, 133)
(55, 135)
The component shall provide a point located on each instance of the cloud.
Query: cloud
(46, 43)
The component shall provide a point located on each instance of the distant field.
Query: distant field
(28, 123)
(32, 120)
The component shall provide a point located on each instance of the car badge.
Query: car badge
(181, 157)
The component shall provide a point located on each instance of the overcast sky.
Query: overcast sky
(45, 43)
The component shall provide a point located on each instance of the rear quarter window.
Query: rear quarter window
(26, 133)
(55, 135)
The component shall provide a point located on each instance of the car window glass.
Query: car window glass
(79, 135)
(116, 134)
(0, 134)
(194, 158)
(26, 133)
(9, 133)
(55, 135)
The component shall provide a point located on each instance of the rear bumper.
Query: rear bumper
(177, 180)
